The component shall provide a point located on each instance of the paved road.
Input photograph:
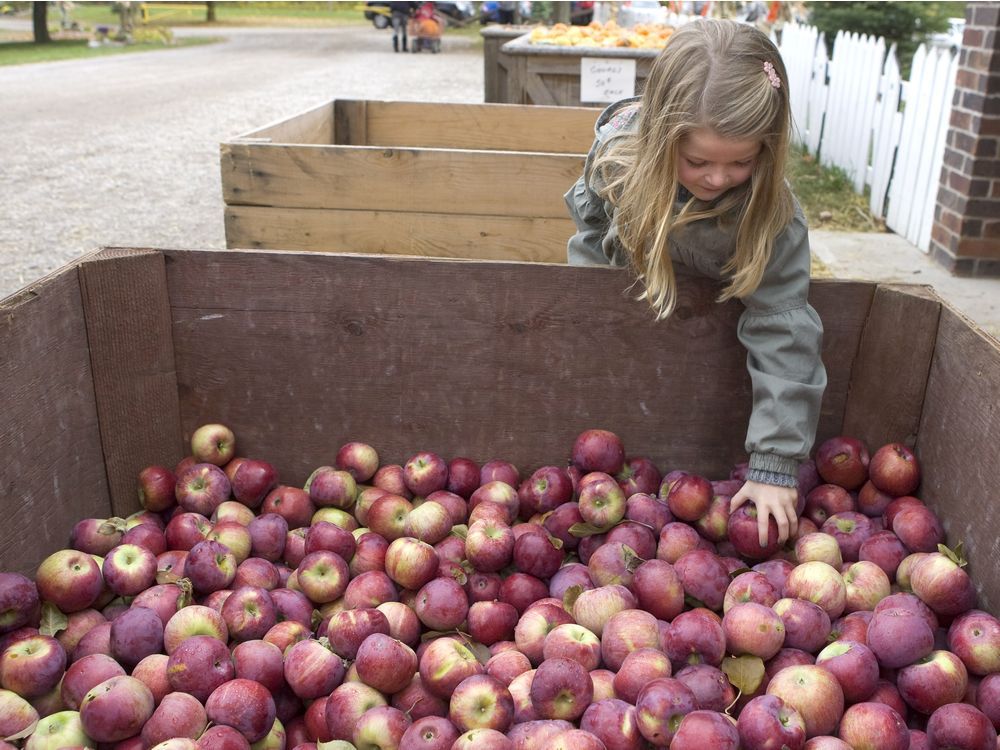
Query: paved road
(124, 150)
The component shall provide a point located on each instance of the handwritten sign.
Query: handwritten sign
(606, 79)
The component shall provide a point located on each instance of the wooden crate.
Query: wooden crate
(449, 180)
(110, 363)
(495, 61)
(545, 74)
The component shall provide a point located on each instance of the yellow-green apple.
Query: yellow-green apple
(360, 460)
(545, 490)
(58, 730)
(32, 666)
(866, 584)
(498, 493)
(322, 576)
(932, 681)
(826, 500)
(177, 715)
(155, 487)
(135, 634)
(429, 733)
(236, 536)
(874, 726)
(594, 607)
(312, 669)
(195, 619)
(331, 487)
(975, 638)
(337, 516)
(598, 450)
(819, 583)
(214, 444)
(943, 584)
(385, 663)
(444, 663)
(961, 725)
(749, 586)
(429, 522)
(441, 604)
(894, 469)
(807, 625)
(700, 729)
(843, 460)
(704, 576)
(116, 709)
(821, 547)
(812, 691)
(202, 488)
(481, 702)
(16, 714)
(768, 723)
(345, 706)
(855, 667)
(244, 705)
(753, 629)
(198, 665)
(561, 689)
(424, 473)
(638, 668)
(69, 579)
(660, 706)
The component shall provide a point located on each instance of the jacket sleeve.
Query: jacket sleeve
(586, 246)
(783, 336)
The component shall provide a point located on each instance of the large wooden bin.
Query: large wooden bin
(449, 180)
(110, 364)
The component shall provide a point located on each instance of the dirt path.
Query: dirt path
(124, 150)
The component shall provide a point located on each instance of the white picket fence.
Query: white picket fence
(855, 111)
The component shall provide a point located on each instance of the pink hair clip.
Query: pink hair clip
(772, 76)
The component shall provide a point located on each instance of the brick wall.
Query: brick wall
(966, 234)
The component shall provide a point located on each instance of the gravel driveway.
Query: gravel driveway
(124, 150)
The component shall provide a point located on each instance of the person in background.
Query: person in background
(400, 16)
(690, 178)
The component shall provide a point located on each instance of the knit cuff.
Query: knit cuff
(767, 468)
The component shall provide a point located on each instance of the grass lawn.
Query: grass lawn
(828, 198)
(22, 52)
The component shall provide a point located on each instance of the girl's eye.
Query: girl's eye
(696, 164)
(745, 163)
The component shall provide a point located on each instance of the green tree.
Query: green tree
(907, 24)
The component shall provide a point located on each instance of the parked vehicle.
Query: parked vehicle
(456, 13)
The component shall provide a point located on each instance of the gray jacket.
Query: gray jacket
(779, 329)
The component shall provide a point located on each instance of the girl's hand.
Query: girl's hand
(770, 500)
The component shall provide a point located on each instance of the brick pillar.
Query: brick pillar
(966, 233)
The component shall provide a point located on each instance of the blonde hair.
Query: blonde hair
(710, 75)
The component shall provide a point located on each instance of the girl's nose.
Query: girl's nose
(716, 179)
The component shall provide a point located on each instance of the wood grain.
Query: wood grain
(476, 358)
(314, 125)
(436, 235)
(957, 446)
(52, 468)
(890, 370)
(424, 180)
(128, 326)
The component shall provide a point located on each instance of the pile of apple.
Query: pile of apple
(607, 34)
(442, 604)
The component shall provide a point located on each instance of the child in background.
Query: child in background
(692, 174)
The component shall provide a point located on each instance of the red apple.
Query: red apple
(441, 604)
(202, 488)
(463, 476)
(660, 706)
(429, 522)
(676, 539)
(768, 723)
(575, 642)
(387, 516)
(819, 583)
(19, 602)
(701, 729)
(535, 625)
(895, 470)
(69, 579)
(360, 460)
(291, 503)
(626, 631)
(32, 666)
(753, 629)
(385, 663)
(129, 569)
(598, 450)
(875, 726)
(494, 493)
(424, 473)
(244, 705)
(885, 550)
(347, 704)
(820, 547)
(312, 669)
(213, 443)
(444, 663)
(961, 725)
(704, 577)
(195, 619)
(491, 621)
(975, 638)
(743, 532)
(429, 733)
(537, 554)
(855, 667)
(843, 461)
(380, 727)
(690, 497)
(918, 528)
(807, 625)
(116, 709)
(155, 485)
(872, 501)
(639, 668)
(826, 500)
(323, 576)
(561, 689)
(482, 739)
(16, 714)
(658, 589)
(812, 691)
(178, 715)
(210, 566)
(943, 585)
(370, 590)
(198, 665)
(932, 681)
(330, 487)
(481, 702)
(545, 490)
(498, 470)
(134, 635)
(252, 481)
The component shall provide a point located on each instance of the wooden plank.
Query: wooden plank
(350, 123)
(496, 127)
(957, 446)
(52, 470)
(312, 126)
(425, 180)
(887, 396)
(437, 235)
(485, 359)
(128, 327)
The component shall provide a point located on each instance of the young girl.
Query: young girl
(692, 174)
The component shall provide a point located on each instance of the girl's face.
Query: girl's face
(710, 164)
